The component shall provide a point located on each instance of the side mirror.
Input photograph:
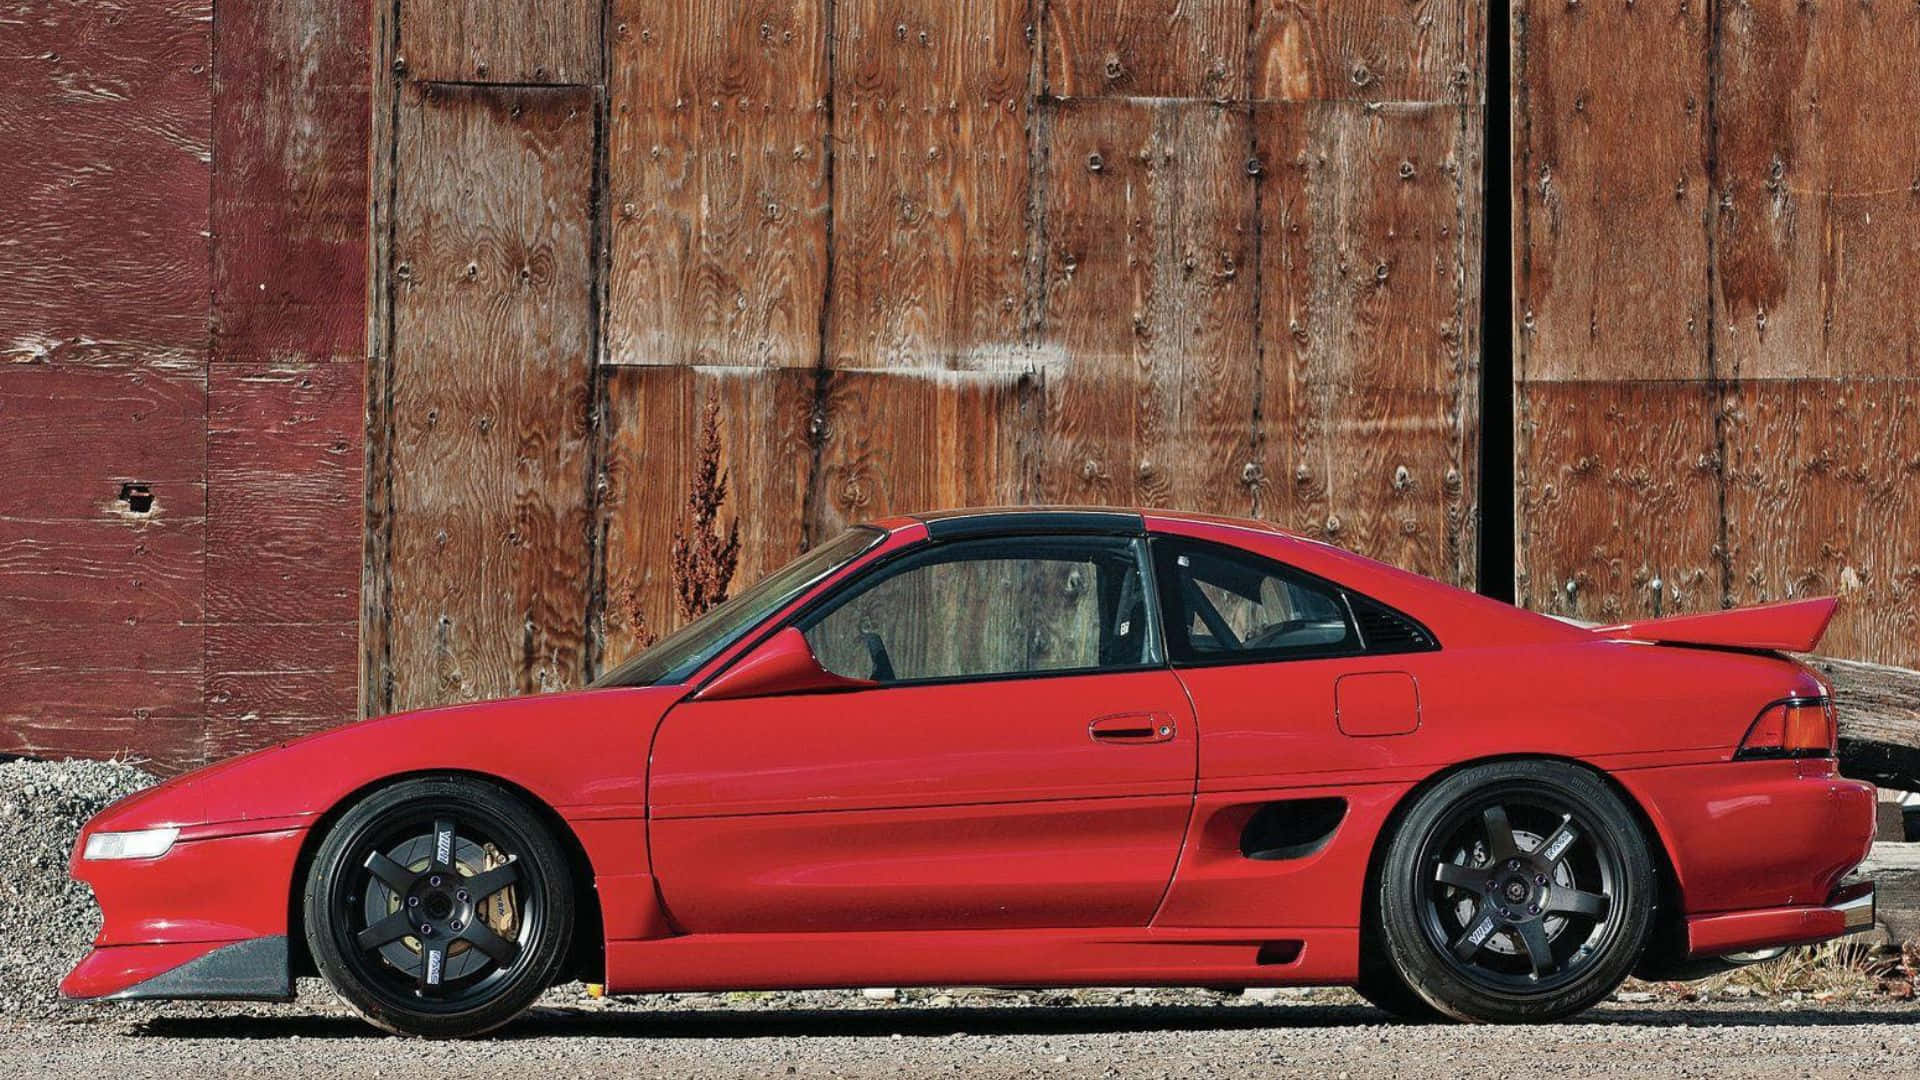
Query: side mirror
(784, 664)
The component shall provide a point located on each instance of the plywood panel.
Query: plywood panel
(105, 143)
(717, 183)
(275, 681)
(285, 494)
(501, 41)
(106, 570)
(108, 689)
(1619, 488)
(290, 194)
(903, 443)
(1367, 386)
(1610, 190)
(930, 183)
(1817, 152)
(1149, 305)
(490, 392)
(654, 418)
(1823, 478)
(76, 434)
(1363, 50)
(1147, 48)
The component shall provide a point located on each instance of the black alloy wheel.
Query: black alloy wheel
(1516, 891)
(439, 907)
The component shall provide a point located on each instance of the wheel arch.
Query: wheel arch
(588, 959)
(1668, 921)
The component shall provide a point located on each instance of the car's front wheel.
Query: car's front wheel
(1516, 891)
(439, 906)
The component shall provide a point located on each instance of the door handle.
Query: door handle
(1132, 728)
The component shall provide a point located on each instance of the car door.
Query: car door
(1022, 756)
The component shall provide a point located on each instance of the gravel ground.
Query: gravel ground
(47, 920)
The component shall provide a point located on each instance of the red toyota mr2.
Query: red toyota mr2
(1032, 748)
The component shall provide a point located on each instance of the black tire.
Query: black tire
(1382, 989)
(1519, 891)
(450, 865)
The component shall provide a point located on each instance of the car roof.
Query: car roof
(1103, 520)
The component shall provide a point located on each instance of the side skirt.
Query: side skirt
(1127, 956)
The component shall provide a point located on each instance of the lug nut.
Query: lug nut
(1533, 909)
(1512, 864)
(434, 881)
(455, 927)
(413, 901)
(1539, 879)
(426, 929)
(462, 894)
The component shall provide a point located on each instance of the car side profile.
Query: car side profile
(1031, 748)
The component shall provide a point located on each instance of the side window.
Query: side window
(1225, 605)
(985, 608)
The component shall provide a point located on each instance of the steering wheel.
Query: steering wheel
(877, 652)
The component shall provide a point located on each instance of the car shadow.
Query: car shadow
(633, 1023)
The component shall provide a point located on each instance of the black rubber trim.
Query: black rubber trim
(957, 524)
(251, 970)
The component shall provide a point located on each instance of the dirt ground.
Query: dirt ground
(975, 1035)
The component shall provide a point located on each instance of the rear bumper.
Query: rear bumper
(1848, 908)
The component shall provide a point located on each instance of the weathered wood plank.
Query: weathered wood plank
(1367, 386)
(1363, 50)
(1149, 302)
(501, 41)
(111, 569)
(284, 468)
(654, 418)
(102, 689)
(717, 181)
(105, 140)
(273, 681)
(1822, 478)
(1610, 190)
(1879, 713)
(490, 395)
(1147, 49)
(899, 443)
(77, 434)
(290, 115)
(930, 183)
(1618, 488)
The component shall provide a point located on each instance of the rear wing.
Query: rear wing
(1794, 626)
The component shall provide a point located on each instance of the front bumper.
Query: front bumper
(1848, 908)
(252, 970)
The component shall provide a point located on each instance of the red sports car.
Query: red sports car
(1037, 748)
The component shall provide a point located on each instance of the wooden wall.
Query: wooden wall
(1215, 255)
(181, 336)
(1716, 333)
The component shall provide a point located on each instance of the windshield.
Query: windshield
(682, 652)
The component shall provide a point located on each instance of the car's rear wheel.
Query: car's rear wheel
(1516, 891)
(440, 906)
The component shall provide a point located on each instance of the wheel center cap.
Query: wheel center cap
(1516, 890)
(439, 906)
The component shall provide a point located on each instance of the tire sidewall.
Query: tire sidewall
(1401, 895)
(545, 872)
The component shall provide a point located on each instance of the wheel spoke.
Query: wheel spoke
(1460, 877)
(1539, 949)
(1501, 845)
(443, 844)
(1578, 902)
(433, 965)
(387, 930)
(488, 882)
(390, 873)
(1478, 931)
(1554, 848)
(482, 937)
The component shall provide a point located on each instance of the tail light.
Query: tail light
(1794, 727)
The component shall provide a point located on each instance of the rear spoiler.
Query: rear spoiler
(1794, 626)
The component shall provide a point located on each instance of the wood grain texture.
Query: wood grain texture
(552, 42)
(105, 136)
(1619, 488)
(290, 113)
(930, 184)
(653, 426)
(1149, 301)
(1822, 477)
(107, 689)
(285, 486)
(273, 681)
(903, 443)
(1610, 191)
(1147, 49)
(1368, 389)
(490, 394)
(1363, 50)
(717, 183)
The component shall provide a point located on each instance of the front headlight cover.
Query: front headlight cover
(140, 844)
